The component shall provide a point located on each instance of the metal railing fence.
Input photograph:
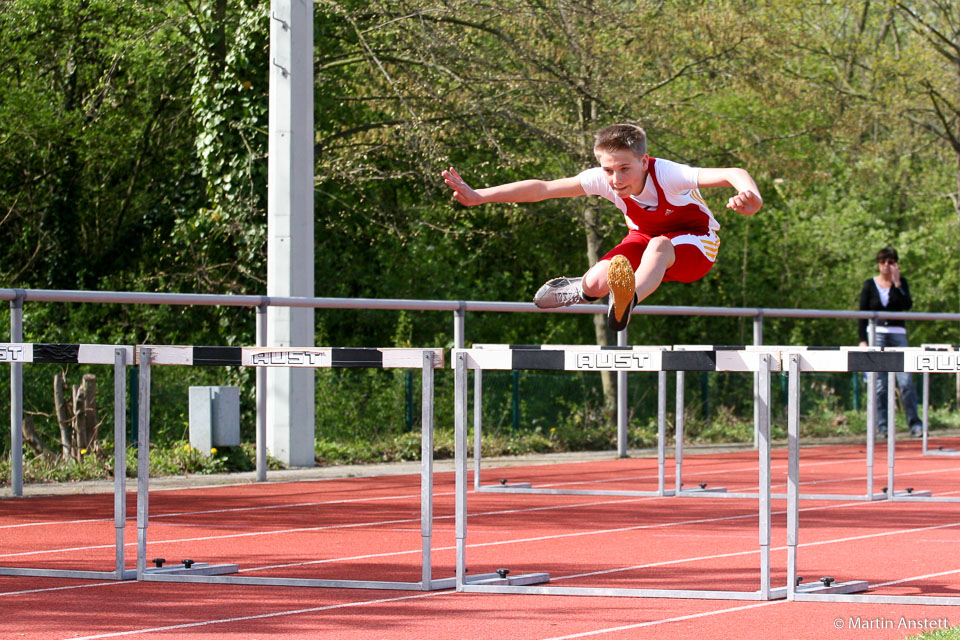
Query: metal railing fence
(459, 309)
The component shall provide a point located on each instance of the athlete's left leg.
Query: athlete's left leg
(657, 259)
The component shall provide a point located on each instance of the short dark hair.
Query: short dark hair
(621, 137)
(887, 253)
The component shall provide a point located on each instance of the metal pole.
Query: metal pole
(661, 428)
(120, 455)
(926, 408)
(143, 461)
(793, 473)
(757, 340)
(261, 398)
(460, 455)
(477, 425)
(891, 428)
(765, 496)
(622, 402)
(426, 471)
(459, 325)
(678, 441)
(16, 400)
(872, 401)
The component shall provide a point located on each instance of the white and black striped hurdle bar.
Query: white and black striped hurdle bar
(313, 357)
(18, 353)
(582, 358)
(307, 357)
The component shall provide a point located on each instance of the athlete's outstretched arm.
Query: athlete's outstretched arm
(523, 191)
(747, 201)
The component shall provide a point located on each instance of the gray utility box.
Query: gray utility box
(214, 417)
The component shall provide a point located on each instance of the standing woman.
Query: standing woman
(888, 291)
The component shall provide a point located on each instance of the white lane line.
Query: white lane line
(653, 623)
(73, 586)
(262, 616)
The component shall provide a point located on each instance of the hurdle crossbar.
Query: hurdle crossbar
(318, 357)
(19, 353)
(596, 359)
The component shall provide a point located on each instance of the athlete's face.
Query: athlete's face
(625, 172)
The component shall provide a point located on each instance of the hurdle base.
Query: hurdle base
(78, 574)
(506, 486)
(922, 493)
(515, 488)
(814, 588)
(866, 497)
(696, 491)
(941, 452)
(517, 580)
(197, 569)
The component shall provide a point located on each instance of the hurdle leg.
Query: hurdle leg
(143, 461)
(763, 425)
(460, 455)
(871, 429)
(622, 402)
(891, 429)
(926, 408)
(477, 428)
(661, 428)
(120, 457)
(678, 441)
(16, 401)
(793, 473)
(426, 471)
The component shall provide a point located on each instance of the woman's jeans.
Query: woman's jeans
(904, 380)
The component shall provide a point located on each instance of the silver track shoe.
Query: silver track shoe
(559, 292)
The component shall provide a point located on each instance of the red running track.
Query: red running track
(368, 529)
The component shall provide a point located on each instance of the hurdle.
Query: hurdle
(869, 495)
(596, 359)
(940, 451)
(610, 355)
(18, 353)
(315, 357)
(891, 360)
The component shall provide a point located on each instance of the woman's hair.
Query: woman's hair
(887, 253)
(620, 137)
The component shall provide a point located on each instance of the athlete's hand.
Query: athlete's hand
(464, 193)
(745, 202)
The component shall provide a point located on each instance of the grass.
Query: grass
(177, 458)
(953, 633)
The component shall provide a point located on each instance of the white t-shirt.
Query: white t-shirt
(885, 300)
(678, 181)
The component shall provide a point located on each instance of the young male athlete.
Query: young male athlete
(672, 234)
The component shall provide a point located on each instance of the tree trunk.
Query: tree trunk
(87, 411)
(63, 415)
(32, 438)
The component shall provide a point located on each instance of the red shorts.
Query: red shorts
(696, 253)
